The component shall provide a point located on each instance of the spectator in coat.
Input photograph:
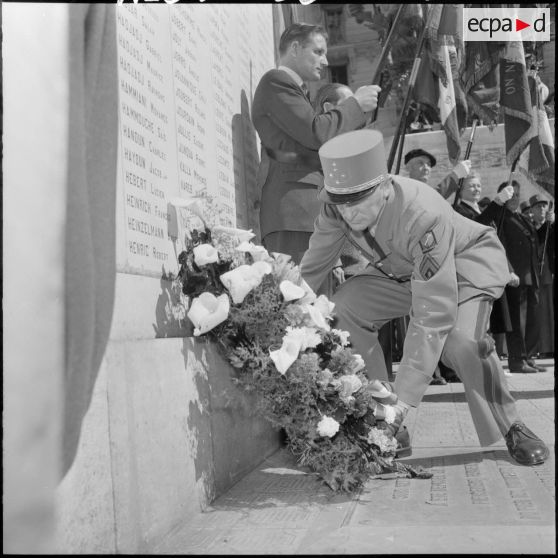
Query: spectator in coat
(419, 163)
(522, 248)
(544, 223)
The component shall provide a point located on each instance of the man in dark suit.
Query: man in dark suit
(291, 133)
(520, 240)
(543, 219)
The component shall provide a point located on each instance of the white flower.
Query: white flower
(349, 384)
(205, 254)
(391, 414)
(208, 311)
(258, 253)
(379, 438)
(241, 234)
(307, 336)
(323, 304)
(261, 268)
(325, 376)
(242, 279)
(316, 316)
(286, 355)
(328, 427)
(310, 295)
(343, 336)
(290, 291)
(193, 204)
(357, 364)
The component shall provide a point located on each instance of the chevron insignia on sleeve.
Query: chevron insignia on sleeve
(428, 241)
(428, 266)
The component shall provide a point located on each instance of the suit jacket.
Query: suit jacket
(467, 211)
(287, 124)
(419, 239)
(520, 240)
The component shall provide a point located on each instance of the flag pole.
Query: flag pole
(407, 103)
(400, 149)
(377, 78)
(467, 154)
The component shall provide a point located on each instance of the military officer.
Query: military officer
(428, 261)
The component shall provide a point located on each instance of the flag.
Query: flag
(447, 104)
(515, 100)
(537, 160)
(480, 80)
(437, 84)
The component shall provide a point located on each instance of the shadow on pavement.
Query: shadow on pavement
(460, 397)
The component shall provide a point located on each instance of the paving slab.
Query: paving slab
(478, 500)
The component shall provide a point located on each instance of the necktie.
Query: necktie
(305, 91)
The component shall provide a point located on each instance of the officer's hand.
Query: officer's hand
(504, 195)
(549, 218)
(462, 169)
(339, 275)
(367, 97)
(514, 280)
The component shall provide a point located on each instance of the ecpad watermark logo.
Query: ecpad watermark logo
(506, 24)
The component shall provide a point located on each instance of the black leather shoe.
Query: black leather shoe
(522, 367)
(524, 446)
(403, 443)
(531, 362)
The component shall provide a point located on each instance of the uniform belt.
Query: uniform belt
(289, 157)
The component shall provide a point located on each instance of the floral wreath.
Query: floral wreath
(277, 335)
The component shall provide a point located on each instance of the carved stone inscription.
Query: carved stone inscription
(185, 74)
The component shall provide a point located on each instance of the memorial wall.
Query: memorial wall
(186, 78)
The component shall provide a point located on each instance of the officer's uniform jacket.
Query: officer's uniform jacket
(419, 240)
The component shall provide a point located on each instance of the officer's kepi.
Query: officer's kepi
(354, 164)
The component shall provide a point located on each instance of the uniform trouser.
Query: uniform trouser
(523, 340)
(365, 302)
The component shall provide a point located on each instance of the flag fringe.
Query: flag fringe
(483, 70)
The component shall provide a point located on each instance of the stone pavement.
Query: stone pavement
(478, 501)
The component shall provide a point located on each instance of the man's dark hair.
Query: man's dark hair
(300, 32)
(504, 184)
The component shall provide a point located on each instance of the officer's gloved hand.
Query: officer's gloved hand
(462, 169)
(504, 195)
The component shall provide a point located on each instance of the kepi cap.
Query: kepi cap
(536, 199)
(354, 163)
(420, 153)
